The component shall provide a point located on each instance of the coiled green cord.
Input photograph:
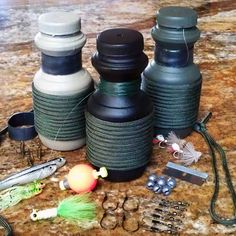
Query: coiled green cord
(200, 127)
(119, 89)
(6, 226)
(60, 118)
(175, 106)
(119, 146)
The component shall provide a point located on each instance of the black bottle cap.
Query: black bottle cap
(119, 55)
(120, 42)
(177, 17)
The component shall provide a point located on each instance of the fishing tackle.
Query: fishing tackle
(167, 218)
(160, 140)
(108, 214)
(166, 190)
(172, 203)
(157, 188)
(171, 182)
(82, 178)
(75, 208)
(153, 177)
(150, 185)
(123, 224)
(28, 175)
(182, 150)
(169, 213)
(158, 223)
(14, 195)
(109, 207)
(161, 181)
(158, 230)
(6, 226)
(59, 162)
(127, 200)
(176, 207)
(170, 226)
(187, 155)
(112, 216)
(120, 217)
(173, 138)
(161, 184)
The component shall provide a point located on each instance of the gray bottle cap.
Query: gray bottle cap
(177, 17)
(59, 23)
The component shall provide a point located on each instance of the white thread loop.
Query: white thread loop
(186, 45)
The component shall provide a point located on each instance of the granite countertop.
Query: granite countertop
(215, 53)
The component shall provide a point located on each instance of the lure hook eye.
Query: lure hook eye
(34, 215)
(176, 154)
(162, 144)
(41, 185)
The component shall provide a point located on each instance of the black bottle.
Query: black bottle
(172, 80)
(119, 117)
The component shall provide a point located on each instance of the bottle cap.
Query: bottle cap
(120, 41)
(59, 23)
(177, 17)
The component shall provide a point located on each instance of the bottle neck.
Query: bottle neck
(129, 88)
(174, 57)
(62, 65)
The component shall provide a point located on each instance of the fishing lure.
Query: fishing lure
(172, 138)
(160, 140)
(187, 155)
(182, 150)
(75, 208)
(14, 195)
(59, 162)
(36, 172)
(32, 174)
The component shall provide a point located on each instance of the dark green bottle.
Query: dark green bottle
(119, 117)
(172, 80)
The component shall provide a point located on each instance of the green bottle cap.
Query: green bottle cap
(177, 17)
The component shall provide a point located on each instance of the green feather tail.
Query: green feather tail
(78, 207)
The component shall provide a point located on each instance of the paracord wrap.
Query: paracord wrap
(119, 146)
(119, 89)
(60, 118)
(175, 106)
(200, 127)
(6, 226)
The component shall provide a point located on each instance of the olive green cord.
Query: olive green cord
(119, 146)
(60, 118)
(200, 127)
(6, 226)
(119, 89)
(175, 106)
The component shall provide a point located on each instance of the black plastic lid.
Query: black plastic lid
(177, 17)
(119, 55)
(120, 41)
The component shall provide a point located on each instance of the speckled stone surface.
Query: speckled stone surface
(215, 53)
